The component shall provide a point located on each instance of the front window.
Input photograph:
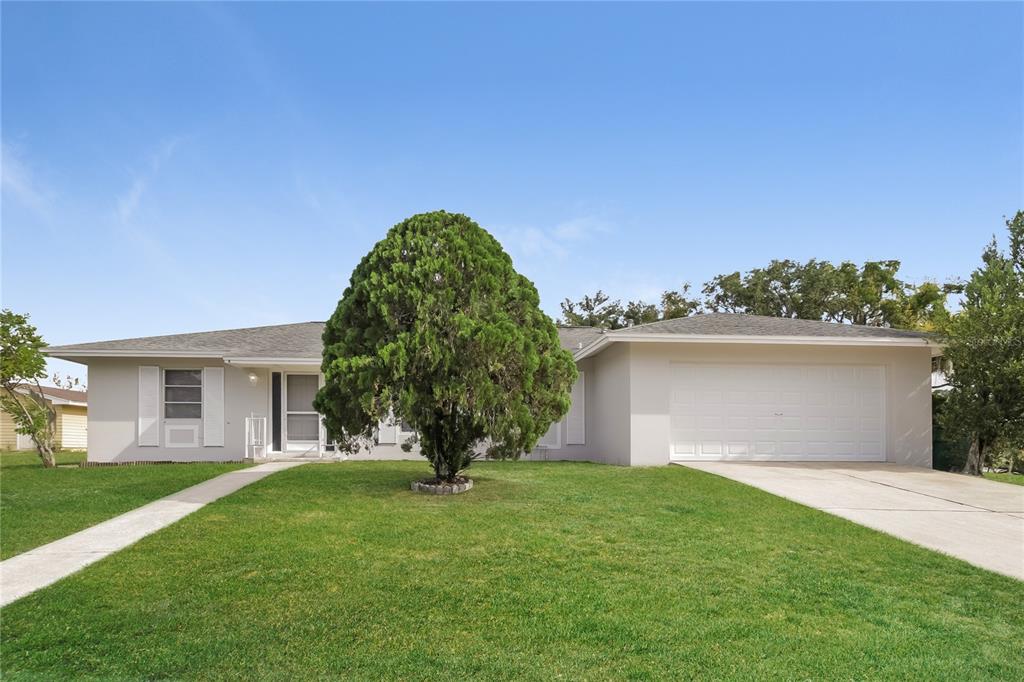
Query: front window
(183, 393)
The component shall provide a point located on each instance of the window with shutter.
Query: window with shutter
(149, 406)
(576, 421)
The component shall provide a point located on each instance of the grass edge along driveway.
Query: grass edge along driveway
(542, 570)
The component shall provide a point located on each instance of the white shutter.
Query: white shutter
(553, 437)
(149, 405)
(213, 406)
(387, 432)
(576, 421)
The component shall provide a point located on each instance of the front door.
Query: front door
(301, 422)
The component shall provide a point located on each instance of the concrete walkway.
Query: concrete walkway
(35, 569)
(973, 519)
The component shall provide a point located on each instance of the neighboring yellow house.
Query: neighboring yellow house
(72, 423)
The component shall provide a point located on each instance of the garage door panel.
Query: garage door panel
(711, 447)
(681, 447)
(816, 423)
(810, 412)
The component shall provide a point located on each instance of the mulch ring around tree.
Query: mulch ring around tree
(436, 486)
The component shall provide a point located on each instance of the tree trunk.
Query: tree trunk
(975, 458)
(46, 454)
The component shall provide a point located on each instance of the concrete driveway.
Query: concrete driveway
(973, 519)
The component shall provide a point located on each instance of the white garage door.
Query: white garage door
(777, 412)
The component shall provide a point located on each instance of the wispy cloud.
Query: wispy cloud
(579, 229)
(145, 242)
(18, 181)
(128, 203)
(553, 242)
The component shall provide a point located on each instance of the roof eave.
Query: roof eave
(77, 354)
(882, 342)
(272, 361)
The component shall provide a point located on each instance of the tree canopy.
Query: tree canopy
(23, 364)
(600, 310)
(437, 329)
(871, 294)
(985, 353)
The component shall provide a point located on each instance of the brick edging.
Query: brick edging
(442, 489)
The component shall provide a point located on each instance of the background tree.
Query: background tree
(985, 351)
(639, 312)
(22, 363)
(66, 381)
(600, 310)
(783, 289)
(593, 311)
(676, 304)
(437, 329)
(871, 294)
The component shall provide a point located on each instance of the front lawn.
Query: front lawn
(40, 505)
(1016, 479)
(543, 570)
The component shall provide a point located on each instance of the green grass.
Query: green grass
(1016, 479)
(40, 505)
(543, 571)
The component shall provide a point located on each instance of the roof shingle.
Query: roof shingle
(737, 324)
(298, 341)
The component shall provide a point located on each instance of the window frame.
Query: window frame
(165, 386)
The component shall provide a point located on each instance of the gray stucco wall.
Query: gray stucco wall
(627, 403)
(114, 409)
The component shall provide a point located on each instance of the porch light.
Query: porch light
(253, 378)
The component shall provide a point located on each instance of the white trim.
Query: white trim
(202, 355)
(275, 362)
(58, 353)
(881, 342)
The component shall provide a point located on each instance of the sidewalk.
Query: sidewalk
(35, 569)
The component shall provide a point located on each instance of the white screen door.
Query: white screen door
(301, 422)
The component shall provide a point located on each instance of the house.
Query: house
(72, 423)
(716, 386)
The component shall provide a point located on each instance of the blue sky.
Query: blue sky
(173, 167)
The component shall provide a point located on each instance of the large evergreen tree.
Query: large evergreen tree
(438, 329)
(985, 352)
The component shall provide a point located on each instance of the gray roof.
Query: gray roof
(736, 324)
(574, 338)
(298, 341)
(302, 341)
(62, 393)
